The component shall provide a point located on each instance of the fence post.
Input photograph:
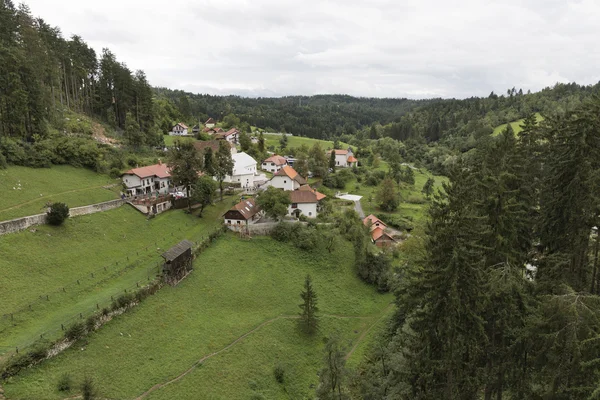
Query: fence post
(78, 282)
(62, 327)
(97, 306)
(80, 315)
(48, 297)
(92, 275)
(17, 349)
(64, 290)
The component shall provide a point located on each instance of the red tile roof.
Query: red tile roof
(352, 159)
(159, 170)
(339, 152)
(373, 220)
(182, 125)
(230, 132)
(291, 173)
(278, 160)
(307, 188)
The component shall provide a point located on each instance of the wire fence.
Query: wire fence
(153, 271)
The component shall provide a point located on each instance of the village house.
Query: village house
(305, 201)
(378, 234)
(210, 123)
(244, 170)
(231, 135)
(274, 163)
(195, 130)
(344, 158)
(287, 179)
(180, 129)
(147, 180)
(243, 213)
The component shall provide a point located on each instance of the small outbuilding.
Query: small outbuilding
(178, 262)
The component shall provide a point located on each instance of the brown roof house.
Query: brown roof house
(242, 214)
(274, 163)
(180, 129)
(287, 179)
(378, 234)
(210, 123)
(147, 180)
(305, 201)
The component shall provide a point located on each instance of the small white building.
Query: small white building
(180, 129)
(244, 170)
(210, 123)
(287, 179)
(274, 163)
(153, 179)
(232, 135)
(305, 201)
(344, 158)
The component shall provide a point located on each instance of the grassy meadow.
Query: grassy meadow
(238, 287)
(25, 191)
(170, 140)
(515, 125)
(41, 262)
(297, 141)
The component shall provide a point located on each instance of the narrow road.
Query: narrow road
(358, 208)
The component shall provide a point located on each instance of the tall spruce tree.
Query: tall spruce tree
(309, 322)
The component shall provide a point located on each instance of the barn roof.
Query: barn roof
(248, 208)
(177, 250)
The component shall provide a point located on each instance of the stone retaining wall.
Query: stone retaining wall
(18, 224)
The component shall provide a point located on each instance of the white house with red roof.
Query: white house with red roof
(151, 179)
(287, 179)
(231, 135)
(274, 163)
(379, 236)
(180, 129)
(305, 201)
(344, 158)
(244, 170)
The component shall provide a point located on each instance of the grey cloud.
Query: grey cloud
(412, 48)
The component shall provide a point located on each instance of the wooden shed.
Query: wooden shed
(178, 262)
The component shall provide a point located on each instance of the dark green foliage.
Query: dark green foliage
(376, 269)
(65, 383)
(57, 214)
(279, 373)
(75, 331)
(203, 192)
(309, 322)
(223, 164)
(387, 196)
(274, 202)
(88, 388)
(428, 187)
(185, 163)
(333, 375)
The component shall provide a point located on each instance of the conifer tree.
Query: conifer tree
(308, 321)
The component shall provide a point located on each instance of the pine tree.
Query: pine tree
(333, 375)
(309, 322)
(332, 161)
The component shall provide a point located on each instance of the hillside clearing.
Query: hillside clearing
(73, 256)
(515, 125)
(237, 285)
(25, 191)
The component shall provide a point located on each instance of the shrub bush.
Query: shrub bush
(57, 214)
(88, 388)
(279, 373)
(64, 382)
(75, 331)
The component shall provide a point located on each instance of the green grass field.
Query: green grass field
(170, 140)
(43, 262)
(297, 141)
(515, 125)
(238, 287)
(25, 191)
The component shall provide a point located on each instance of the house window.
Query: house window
(294, 205)
(229, 221)
(272, 163)
(238, 222)
(284, 181)
(309, 213)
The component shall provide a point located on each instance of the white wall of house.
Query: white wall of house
(308, 209)
(178, 130)
(210, 125)
(284, 182)
(341, 160)
(246, 180)
(136, 185)
(233, 138)
(271, 167)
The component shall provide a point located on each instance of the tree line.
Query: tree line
(504, 302)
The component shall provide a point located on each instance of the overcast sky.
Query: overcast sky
(379, 48)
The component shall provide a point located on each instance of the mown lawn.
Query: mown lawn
(237, 285)
(25, 191)
(515, 125)
(297, 141)
(73, 257)
(170, 140)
